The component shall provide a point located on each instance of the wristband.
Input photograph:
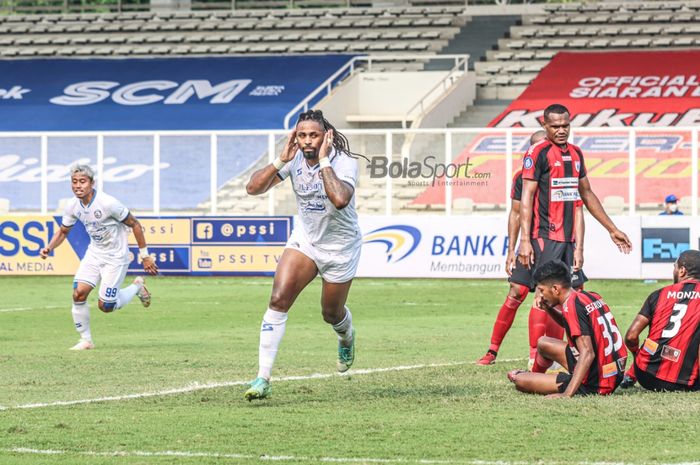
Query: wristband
(324, 163)
(278, 163)
(143, 252)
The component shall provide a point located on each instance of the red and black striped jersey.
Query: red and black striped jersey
(670, 352)
(516, 191)
(586, 314)
(557, 172)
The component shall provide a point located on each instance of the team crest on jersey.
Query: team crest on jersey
(527, 163)
(578, 165)
(98, 214)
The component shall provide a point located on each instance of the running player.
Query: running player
(520, 278)
(554, 180)
(326, 241)
(107, 258)
(598, 364)
(668, 359)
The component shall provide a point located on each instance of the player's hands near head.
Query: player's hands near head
(290, 148)
(327, 145)
(149, 266)
(43, 253)
(526, 255)
(621, 240)
(510, 262)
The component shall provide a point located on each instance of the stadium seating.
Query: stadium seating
(356, 30)
(585, 26)
(507, 70)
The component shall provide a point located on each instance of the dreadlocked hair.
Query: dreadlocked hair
(340, 142)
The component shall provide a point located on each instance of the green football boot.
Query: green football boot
(346, 355)
(259, 389)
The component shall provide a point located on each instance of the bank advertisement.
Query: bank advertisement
(476, 247)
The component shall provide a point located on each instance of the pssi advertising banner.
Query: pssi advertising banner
(600, 89)
(157, 93)
(393, 246)
(222, 246)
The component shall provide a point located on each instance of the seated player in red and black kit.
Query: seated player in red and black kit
(554, 180)
(520, 278)
(668, 359)
(595, 356)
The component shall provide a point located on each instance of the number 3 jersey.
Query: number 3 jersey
(670, 352)
(103, 222)
(586, 314)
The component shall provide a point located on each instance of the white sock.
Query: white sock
(344, 328)
(81, 318)
(125, 295)
(271, 333)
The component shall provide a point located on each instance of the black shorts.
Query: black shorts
(652, 383)
(563, 379)
(546, 250)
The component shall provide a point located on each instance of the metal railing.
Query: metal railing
(458, 70)
(352, 67)
(499, 147)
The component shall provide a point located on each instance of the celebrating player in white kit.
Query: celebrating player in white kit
(106, 261)
(326, 241)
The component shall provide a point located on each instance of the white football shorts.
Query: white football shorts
(337, 266)
(108, 274)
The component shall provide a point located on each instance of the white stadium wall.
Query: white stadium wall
(475, 247)
(381, 97)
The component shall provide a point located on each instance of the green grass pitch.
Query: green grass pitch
(439, 408)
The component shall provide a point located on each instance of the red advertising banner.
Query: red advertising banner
(613, 89)
(600, 89)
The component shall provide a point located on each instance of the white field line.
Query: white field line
(263, 458)
(67, 306)
(24, 309)
(196, 386)
(424, 304)
(292, 458)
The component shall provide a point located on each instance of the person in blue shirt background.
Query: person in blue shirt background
(671, 206)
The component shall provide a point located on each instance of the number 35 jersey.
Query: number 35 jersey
(103, 222)
(586, 314)
(670, 352)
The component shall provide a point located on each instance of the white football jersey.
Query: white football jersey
(103, 222)
(324, 225)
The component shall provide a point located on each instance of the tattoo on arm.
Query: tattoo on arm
(339, 192)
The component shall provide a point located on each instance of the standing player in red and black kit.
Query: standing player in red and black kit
(590, 329)
(519, 277)
(554, 179)
(668, 359)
